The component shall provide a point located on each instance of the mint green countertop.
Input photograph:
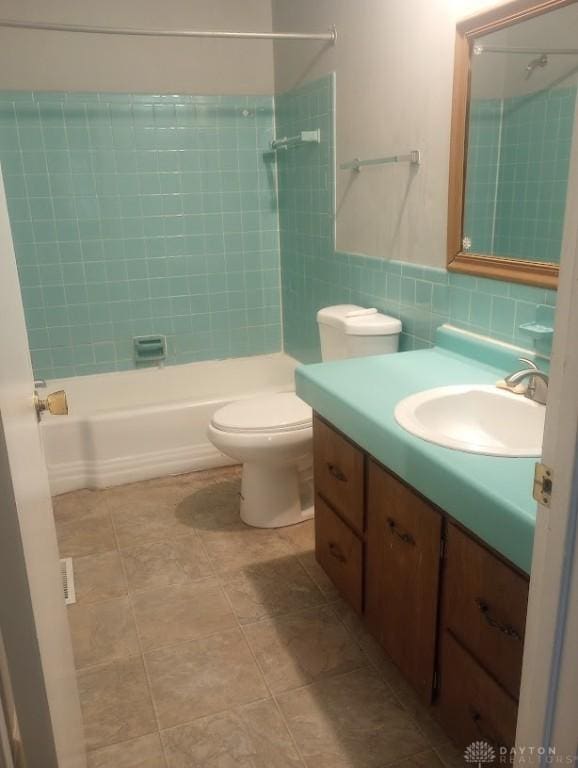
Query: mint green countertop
(489, 495)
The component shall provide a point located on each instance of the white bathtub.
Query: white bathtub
(135, 425)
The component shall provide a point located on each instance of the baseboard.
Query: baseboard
(103, 474)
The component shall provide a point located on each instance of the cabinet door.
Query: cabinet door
(473, 707)
(338, 469)
(339, 552)
(484, 606)
(402, 575)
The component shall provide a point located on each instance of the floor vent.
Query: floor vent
(67, 573)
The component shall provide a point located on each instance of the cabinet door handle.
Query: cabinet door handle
(335, 472)
(336, 552)
(506, 629)
(407, 538)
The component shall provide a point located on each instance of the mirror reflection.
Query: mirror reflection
(521, 118)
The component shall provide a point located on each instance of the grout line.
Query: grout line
(139, 641)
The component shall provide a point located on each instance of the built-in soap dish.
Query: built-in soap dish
(537, 330)
(149, 349)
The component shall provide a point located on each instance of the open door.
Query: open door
(548, 713)
(41, 716)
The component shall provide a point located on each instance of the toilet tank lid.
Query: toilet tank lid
(359, 321)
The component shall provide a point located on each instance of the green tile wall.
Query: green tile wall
(518, 162)
(536, 137)
(482, 164)
(314, 275)
(135, 214)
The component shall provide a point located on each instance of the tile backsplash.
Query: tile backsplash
(135, 214)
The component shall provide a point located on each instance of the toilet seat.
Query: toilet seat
(280, 412)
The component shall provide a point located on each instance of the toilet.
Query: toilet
(271, 435)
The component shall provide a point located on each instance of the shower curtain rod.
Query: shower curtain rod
(330, 35)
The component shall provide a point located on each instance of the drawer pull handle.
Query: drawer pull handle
(407, 538)
(506, 629)
(336, 552)
(335, 472)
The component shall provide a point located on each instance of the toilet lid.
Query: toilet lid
(280, 412)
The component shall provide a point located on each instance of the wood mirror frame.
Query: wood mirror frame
(482, 265)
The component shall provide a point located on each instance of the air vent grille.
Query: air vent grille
(67, 573)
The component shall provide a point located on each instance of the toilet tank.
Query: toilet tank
(347, 330)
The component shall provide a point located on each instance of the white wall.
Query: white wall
(64, 61)
(394, 65)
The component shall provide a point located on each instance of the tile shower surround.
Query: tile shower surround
(85, 301)
(138, 214)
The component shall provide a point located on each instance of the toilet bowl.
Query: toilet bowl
(272, 437)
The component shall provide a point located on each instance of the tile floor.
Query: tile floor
(202, 643)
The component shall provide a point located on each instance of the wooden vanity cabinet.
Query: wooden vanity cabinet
(338, 469)
(448, 611)
(339, 479)
(484, 607)
(483, 619)
(402, 568)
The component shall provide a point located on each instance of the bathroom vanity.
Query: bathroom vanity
(447, 610)
(430, 546)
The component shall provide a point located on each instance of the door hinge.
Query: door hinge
(543, 484)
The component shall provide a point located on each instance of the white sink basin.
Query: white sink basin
(475, 419)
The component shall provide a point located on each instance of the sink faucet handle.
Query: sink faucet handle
(528, 362)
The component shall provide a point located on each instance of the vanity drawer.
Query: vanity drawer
(339, 552)
(485, 604)
(338, 468)
(472, 706)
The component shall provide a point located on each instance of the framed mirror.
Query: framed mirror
(514, 102)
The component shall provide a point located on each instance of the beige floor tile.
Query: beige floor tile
(308, 561)
(76, 504)
(252, 736)
(424, 760)
(237, 545)
(145, 752)
(88, 535)
(214, 507)
(350, 721)
(102, 632)
(142, 519)
(300, 536)
(296, 649)
(99, 577)
(115, 702)
(451, 756)
(183, 612)
(423, 714)
(367, 643)
(270, 589)
(203, 677)
(173, 561)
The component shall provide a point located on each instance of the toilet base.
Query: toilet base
(274, 497)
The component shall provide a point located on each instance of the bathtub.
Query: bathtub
(140, 424)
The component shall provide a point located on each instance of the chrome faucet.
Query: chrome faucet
(538, 381)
